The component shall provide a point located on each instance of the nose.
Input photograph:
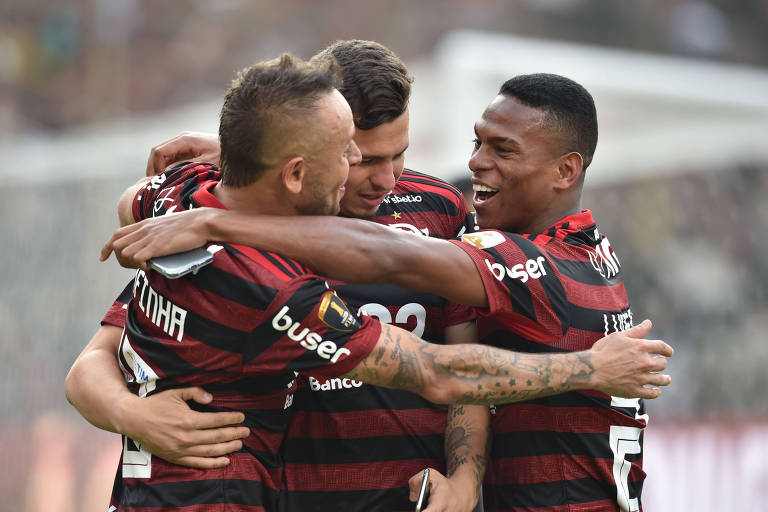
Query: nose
(354, 157)
(479, 160)
(383, 178)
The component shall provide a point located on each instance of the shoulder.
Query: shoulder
(416, 182)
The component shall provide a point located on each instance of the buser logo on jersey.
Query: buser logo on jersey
(531, 269)
(310, 340)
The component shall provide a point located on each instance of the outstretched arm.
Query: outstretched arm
(162, 422)
(351, 250)
(620, 364)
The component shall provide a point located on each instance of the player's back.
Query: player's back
(241, 328)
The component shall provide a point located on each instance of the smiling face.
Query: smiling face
(515, 165)
(383, 157)
(329, 166)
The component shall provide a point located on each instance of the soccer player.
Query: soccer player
(373, 438)
(549, 282)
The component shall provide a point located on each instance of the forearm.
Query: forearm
(349, 249)
(95, 384)
(356, 251)
(470, 374)
(467, 448)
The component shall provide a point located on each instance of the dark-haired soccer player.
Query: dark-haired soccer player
(243, 326)
(549, 281)
(350, 444)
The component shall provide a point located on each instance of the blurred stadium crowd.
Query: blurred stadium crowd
(71, 62)
(695, 242)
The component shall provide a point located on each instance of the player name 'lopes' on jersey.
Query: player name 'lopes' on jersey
(353, 446)
(560, 290)
(241, 328)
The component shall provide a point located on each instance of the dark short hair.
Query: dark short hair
(263, 98)
(568, 106)
(376, 85)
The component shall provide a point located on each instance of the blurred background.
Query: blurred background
(679, 183)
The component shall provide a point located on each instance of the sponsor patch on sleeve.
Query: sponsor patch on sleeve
(334, 313)
(483, 239)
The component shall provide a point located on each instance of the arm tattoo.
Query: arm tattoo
(476, 374)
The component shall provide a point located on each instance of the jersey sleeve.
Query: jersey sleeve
(155, 197)
(458, 313)
(313, 331)
(116, 313)
(523, 288)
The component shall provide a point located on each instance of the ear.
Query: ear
(293, 173)
(568, 171)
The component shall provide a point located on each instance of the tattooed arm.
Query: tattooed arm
(619, 365)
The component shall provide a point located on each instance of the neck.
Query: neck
(551, 216)
(257, 199)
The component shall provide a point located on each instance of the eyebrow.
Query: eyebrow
(381, 157)
(499, 139)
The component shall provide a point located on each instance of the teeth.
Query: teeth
(477, 187)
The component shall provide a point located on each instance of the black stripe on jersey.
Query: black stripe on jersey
(373, 500)
(256, 384)
(553, 288)
(572, 399)
(294, 265)
(279, 263)
(509, 340)
(366, 450)
(198, 492)
(543, 442)
(583, 272)
(549, 494)
(127, 294)
(582, 238)
(417, 177)
(353, 400)
(233, 287)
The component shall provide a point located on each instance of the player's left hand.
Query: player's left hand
(136, 243)
(444, 495)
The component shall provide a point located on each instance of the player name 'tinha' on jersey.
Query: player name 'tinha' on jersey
(162, 312)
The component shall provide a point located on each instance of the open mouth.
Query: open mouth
(482, 192)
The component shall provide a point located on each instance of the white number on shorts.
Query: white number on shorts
(412, 309)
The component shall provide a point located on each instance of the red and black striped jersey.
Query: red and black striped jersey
(353, 446)
(241, 327)
(560, 290)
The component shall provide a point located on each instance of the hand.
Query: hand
(624, 363)
(169, 429)
(192, 146)
(136, 243)
(444, 494)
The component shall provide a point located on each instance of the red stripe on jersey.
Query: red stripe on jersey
(203, 507)
(580, 420)
(247, 468)
(259, 258)
(592, 506)
(354, 476)
(595, 296)
(554, 468)
(373, 422)
(432, 185)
